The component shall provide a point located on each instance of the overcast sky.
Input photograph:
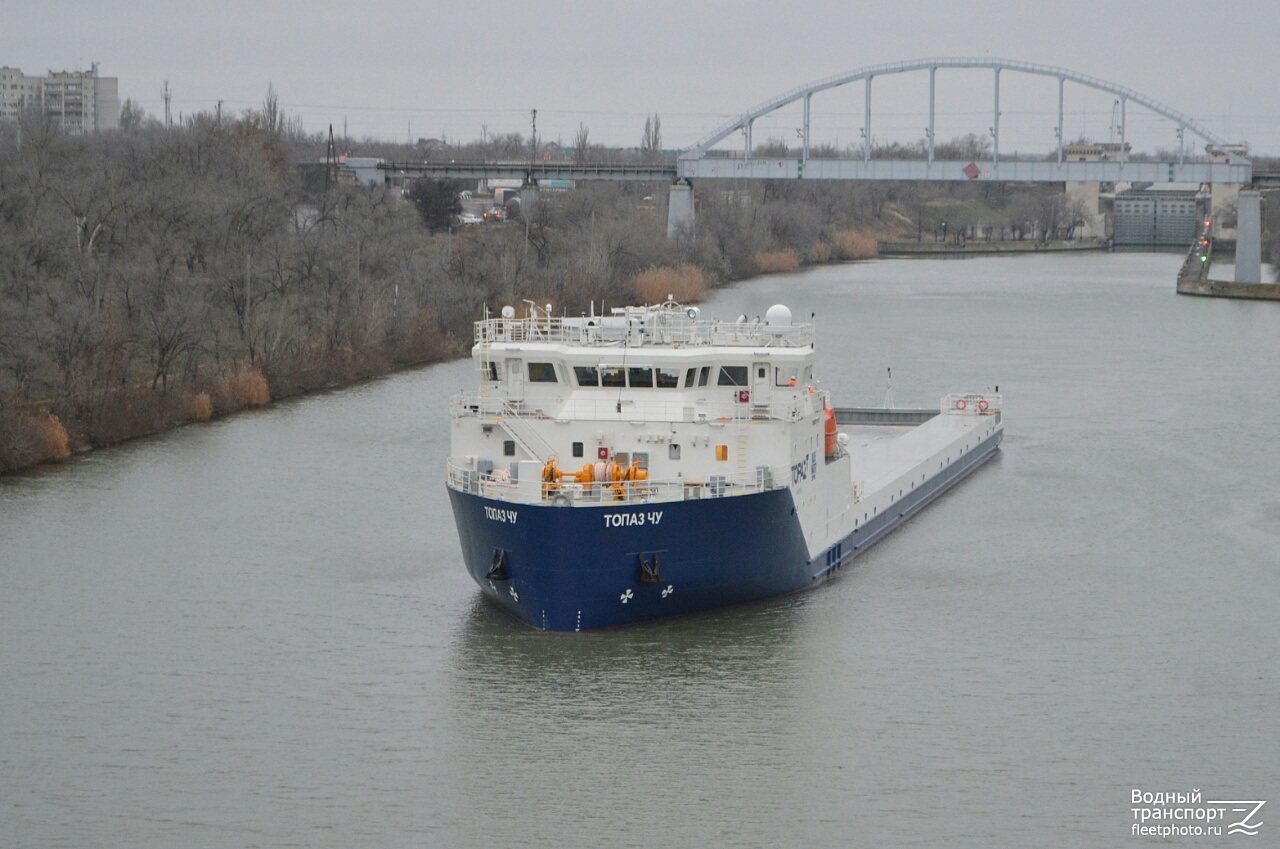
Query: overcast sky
(402, 69)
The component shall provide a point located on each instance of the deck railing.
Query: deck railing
(656, 328)
(500, 487)
(630, 408)
(973, 404)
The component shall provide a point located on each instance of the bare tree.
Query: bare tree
(437, 201)
(651, 141)
(272, 116)
(582, 144)
(132, 116)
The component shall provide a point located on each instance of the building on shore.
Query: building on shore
(81, 102)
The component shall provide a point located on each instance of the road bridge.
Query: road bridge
(529, 172)
(1223, 166)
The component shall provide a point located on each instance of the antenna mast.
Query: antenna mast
(330, 162)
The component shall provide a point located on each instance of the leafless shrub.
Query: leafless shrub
(773, 262)
(132, 411)
(819, 252)
(243, 388)
(200, 407)
(685, 283)
(30, 437)
(853, 244)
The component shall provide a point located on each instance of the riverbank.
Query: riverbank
(984, 248)
(35, 432)
(32, 435)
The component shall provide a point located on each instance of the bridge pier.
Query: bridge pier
(1087, 196)
(1224, 203)
(528, 199)
(679, 210)
(1249, 238)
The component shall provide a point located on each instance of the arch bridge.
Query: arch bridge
(700, 162)
(1226, 168)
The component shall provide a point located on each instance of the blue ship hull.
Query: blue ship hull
(578, 568)
(588, 567)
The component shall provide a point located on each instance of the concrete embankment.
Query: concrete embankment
(937, 249)
(1192, 284)
(1193, 277)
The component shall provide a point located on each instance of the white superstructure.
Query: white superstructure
(655, 404)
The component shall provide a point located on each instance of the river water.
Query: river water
(259, 632)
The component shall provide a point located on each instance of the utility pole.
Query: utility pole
(533, 138)
(330, 163)
(168, 116)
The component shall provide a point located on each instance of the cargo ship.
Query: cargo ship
(647, 463)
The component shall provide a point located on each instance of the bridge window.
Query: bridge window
(667, 378)
(613, 376)
(542, 373)
(732, 376)
(640, 377)
(786, 376)
(689, 377)
(587, 375)
(704, 376)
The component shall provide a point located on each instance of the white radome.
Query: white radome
(778, 315)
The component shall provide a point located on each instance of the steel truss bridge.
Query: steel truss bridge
(700, 162)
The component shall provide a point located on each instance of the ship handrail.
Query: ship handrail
(465, 405)
(516, 423)
(498, 487)
(642, 329)
(973, 404)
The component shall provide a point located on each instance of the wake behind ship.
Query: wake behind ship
(650, 463)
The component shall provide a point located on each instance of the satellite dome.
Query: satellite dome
(778, 315)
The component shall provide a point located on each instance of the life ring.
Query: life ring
(983, 406)
(744, 396)
(961, 404)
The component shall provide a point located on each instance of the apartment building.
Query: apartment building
(79, 101)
